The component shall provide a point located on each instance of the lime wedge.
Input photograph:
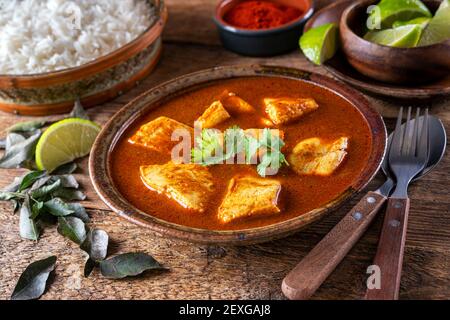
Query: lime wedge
(438, 29)
(320, 43)
(401, 37)
(421, 21)
(65, 141)
(389, 11)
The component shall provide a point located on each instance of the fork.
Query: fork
(407, 158)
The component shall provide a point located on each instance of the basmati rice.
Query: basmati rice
(38, 36)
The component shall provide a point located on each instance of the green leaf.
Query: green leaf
(78, 111)
(67, 168)
(45, 190)
(28, 126)
(96, 244)
(58, 208)
(79, 211)
(89, 267)
(28, 228)
(19, 151)
(69, 194)
(128, 264)
(30, 178)
(32, 282)
(36, 209)
(67, 181)
(72, 228)
(8, 196)
(2, 143)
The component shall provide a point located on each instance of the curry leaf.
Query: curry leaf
(67, 180)
(2, 143)
(79, 211)
(72, 228)
(78, 111)
(20, 152)
(89, 267)
(8, 196)
(58, 208)
(30, 178)
(45, 190)
(32, 281)
(69, 194)
(128, 264)
(67, 168)
(36, 209)
(28, 228)
(28, 126)
(96, 244)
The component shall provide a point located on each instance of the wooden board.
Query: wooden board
(211, 272)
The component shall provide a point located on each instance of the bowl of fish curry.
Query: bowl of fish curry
(237, 155)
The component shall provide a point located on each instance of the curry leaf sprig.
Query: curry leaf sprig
(213, 147)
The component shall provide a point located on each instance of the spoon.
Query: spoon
(309, 274)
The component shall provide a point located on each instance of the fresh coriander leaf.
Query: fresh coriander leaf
(32, 281)
(72, 228)
(28, 126)
(28, 228)
(30, 178)
(19, 152)
(58, 208)
(78, 111)
(128, 264)
(96, 244)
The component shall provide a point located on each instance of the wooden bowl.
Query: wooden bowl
(389, 64)
(93, 83)
(99, 160)
(264, 42)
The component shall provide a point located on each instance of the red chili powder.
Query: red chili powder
(261, 15)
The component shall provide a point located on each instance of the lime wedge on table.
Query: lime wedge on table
(422, 21)
(438, 29)
(320, 43)
(389, 11)
(65, 141)
(401, 37)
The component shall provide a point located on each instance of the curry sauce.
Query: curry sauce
(334, 118)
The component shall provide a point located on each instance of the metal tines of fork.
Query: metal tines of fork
(409, 150)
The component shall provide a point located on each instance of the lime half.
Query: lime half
(401, 37)
(438, 29)
(320, 43)
(65, 141)
(422, 21)
(386, 12)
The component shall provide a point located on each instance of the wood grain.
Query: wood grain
(253, 272)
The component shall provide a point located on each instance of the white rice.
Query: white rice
(39, 36)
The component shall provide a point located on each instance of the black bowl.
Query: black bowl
(266, 42)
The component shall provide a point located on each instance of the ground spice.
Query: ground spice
(261, 15)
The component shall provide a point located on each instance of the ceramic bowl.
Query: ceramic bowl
(389, 64)
(267, 42)
(99, 161)
(93, 83)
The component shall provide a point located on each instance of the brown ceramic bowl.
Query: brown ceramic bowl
(389, 64)
(93, 83)
(99, 160)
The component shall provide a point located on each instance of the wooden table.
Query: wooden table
(211, 272)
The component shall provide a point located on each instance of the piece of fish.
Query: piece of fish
(157, 134)
(315, 157)
(235, 104)
(285, 110)
(213, 115)
(249, 196)
(190, 185)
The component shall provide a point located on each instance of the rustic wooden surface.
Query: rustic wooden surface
(210, 272)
